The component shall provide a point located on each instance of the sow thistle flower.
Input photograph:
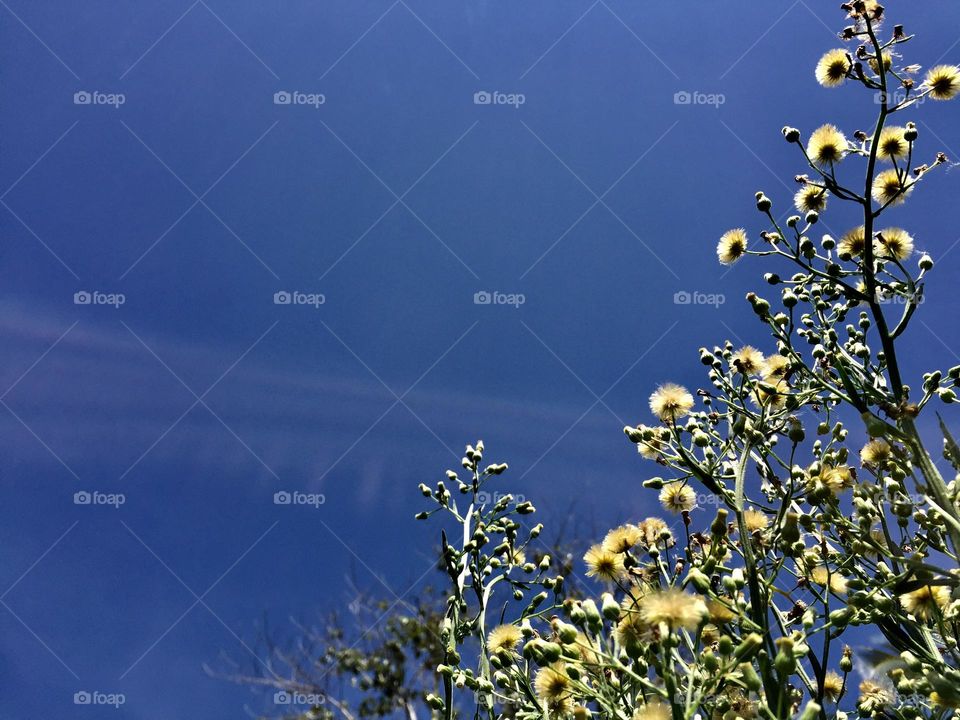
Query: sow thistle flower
(891, 187)
(894, 243)
(825, 577)
(811, 198)
(732, 246)
(678, 497)
(670, 402)
(673, 608)
(747, 360)
(873, 697)
(604, 564)
(827, 145)
(832, 686)
(775, 367)
(656, 533)
(621, 539)
(943, 82)
(754, 520)
(875, 452)
(926, 602)
(853, 243)
(833, 67)
(653, 710)
(892, 144)
(504, 638)
(553, 686)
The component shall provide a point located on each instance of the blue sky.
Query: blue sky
(397, 198)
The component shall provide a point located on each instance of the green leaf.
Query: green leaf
(951, 451)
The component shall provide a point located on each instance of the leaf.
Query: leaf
(951, 451)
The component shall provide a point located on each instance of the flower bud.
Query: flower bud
(763, 202)
(791, 134)
(926, 262)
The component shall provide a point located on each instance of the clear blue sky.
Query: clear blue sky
(397, 198)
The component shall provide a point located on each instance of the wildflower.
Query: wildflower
(656, 533)
(677, 498)
(892, 144)
(747, 360)
(673, 608)
(553, 686)
(852, 243)
(891, 187)
(832, 68)
(653, 710)
(924, 603)
(582, 713)
(827, 145)
(772, 396)
(504, 637)
(875, 452)
(652, 448)
(732, 246)
(825, 577)
(670, 402)
(632, 631)
(837, 479)
(873, 696)
(894, 243)
(943, 82)
(811, 197)
(832, 686)
(887, 63)
(754, 520)
(603, 564)
(621, 539)
(775, 367)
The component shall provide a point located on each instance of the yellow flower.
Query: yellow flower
(892, 144)
(554, 687)
(875, 452)
(832, 68)
(747, 360)
(719, 613)
(653, 710)
(943, 82)
(621, 539)
(670, 402)
(677, 498)
(837, 479)
(891, 187)
(775, 367)
(673, 608)
(772, 396)
(651, 449)
(827, 145)
(852, 243)
(825, 577)
(732, 246)
(811, 197)
(754, 520)
(893, 242)
(832, 686)
(873, 696)
(631, 630)
(603, 564)
(504, 637)
(887, 63)
(656, 533)
(924, 603)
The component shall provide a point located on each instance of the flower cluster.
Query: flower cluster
(827, 512)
